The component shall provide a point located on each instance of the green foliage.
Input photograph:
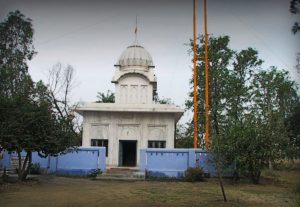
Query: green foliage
(292, 124)
(295, 9)
(35, 169)
(220, 57)
(193, 174)
(184, 136)
(164, 100)
(297, 191)
(27, 119)
(94, 173)
(109, 97)
(16, 48)
(248, 108)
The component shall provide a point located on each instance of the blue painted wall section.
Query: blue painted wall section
(174, 162)
(43, 161)
(80, 161)
(5, 159)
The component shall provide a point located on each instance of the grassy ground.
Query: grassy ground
(278, 188)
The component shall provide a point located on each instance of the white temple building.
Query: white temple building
(134, 121)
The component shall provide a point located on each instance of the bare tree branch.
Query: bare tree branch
(61, 80)
(60, 83)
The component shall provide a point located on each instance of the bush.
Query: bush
(35, 169)
(94, 173)
(193, 174)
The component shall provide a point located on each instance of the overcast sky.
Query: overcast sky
(91, 35)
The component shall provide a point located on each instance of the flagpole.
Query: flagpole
(206, 78)
(195, 78)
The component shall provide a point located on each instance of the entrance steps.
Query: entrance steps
(122, 174)
(11, 170)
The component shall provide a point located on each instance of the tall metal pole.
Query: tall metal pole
(195, 79)
(206, 78)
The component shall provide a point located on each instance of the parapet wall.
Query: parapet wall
(174, 162)
(78, 161)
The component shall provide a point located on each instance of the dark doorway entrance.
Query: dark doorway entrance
(127, 153)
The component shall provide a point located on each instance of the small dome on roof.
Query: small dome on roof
(135, 55)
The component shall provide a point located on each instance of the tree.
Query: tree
(184, 136)
(244, 65)
(28, 124)
(298, 62)
(273, 97)
(248, 107)
(163, 100)
(220, 56)
(61, 80)
(28, 121)
(109, 97)
(292, 124)
(16, 48)
(60, 83)
(294, 9)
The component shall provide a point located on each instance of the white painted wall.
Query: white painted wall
(134, 89)
(127, 126)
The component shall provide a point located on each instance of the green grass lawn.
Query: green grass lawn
(278, 188)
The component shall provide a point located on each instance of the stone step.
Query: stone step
(119, 179)
(121, 174)
(122, 169)
(134, 174)
(9, 171)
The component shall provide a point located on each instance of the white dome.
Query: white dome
(135, 55)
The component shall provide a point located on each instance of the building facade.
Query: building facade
(134, 121)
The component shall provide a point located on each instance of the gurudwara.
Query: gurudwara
(135, 121)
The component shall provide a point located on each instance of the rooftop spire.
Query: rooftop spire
(135, 32)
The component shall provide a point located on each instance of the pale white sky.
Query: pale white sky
(91, 35)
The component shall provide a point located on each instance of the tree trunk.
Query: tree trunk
(255, 174)
(270, 164)
(28, 165)
(219, 171)
(20, 165)
(23, 167)
(216, 126)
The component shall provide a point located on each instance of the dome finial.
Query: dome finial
(135, 32)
